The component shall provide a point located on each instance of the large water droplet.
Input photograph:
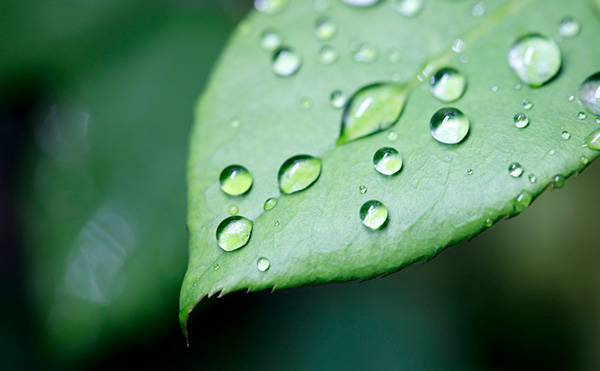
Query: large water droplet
(569, 27)
(373, 214)
(298, 173)
(409, 8)
(328, 55)
(366, 53)
(325, 29)
(449, 125)
(235, 180)
(522, 201)
(372, 109)
(589, 93)
(558, 181)
(286, 62)
(338, 99)
(593, 140)
(270, 40)
(521, 120)
(270, 7)
(387, 161)
(515, 170)
(361, 3)
(535, 59)
(270, 203)
(448, 84)
(234, 232)
(263, 264)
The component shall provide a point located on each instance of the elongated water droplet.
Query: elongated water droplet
(233, 210)
(263, 264)
(362, 189)
(338, 99)
(298, 173)
(361, 3)
(387, 161)
(593, 140)
(235, 180)
(515, 170)
(234, 232)
(521, 120)
(372, 109)
(565, 135)
(409, 8)
(270, 203)
(270, 40)
(527, 104)
(367, 53)
(522, 201)
(270, 7)
(589, 93)
(558, 181)
(581, 116)
(535, 59)
(373, 214)
(449, 125)
(448, 84)
(571, 98)
(328, 55)
(569, 27)
(325, 29)
(286, 62)
(532, 178)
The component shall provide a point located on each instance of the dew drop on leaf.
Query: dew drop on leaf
(325, 29)
(234, 232)
(585, 160)
(565, 135)
(589, 93)
(328, 55)
(581, 116)
(387, 161)
(569, 27)
(469, 171)
(392, 136)
(409, 8)
(233, 210)
(558, 181)
(522, 201)
(521, 120)
(270, 7)
(298, 173)
(270, 203)
(532, 178)
(593, 140)
(362, 189)
(338, 99)
(235, 180)
(373, 214)
(270, 40)
(527, 104)
(535, 59)
(515, 170)
(263, 264)
(479, 9)
(306, 102)
(448, 84)
(449, 126)
(366, 53)
(286, 62)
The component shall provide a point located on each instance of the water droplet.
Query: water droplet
(387, 161)
(527, 104)
(585, 160)
(532, 178)
(394, 55)
(235, 180)
(286, 62)
(338, 99)
(362, 189)
(593, 140)
(372, 109)
(569, 27)
(233, 210)
(464, 58)
(518, 86)
(458, 46)
(367, 53)
(488, 222)
(234, 232)
(469, 171)
(270, 203)
(306, 102)
(361, 3)
(448, 84)
(581, 116)
(392, 136)
(565, 135)
(325, 29)
(328, 55)
(263, 264)
(521, 120)
(571, 98)
(216, 267)
(515, 170)
(270, 40)
(409, 8)
(449, 125)
(235, 123)
(558, 181)
(589, 93)
(479, 9)
(277, 223)
(494, 88)
(270, 7)
(298, 173)
(598, 121)
(551, 152)
(373, 214)
(535, 59)
(522, 201)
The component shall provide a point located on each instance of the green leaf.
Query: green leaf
(442, 195)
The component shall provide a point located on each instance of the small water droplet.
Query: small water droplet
(392, 136)
(488, 222)
(571, 98)
(479, 9)
(361, 3)
(593, 140)
(518, 86)
(569, 27)
(328, 55)
(263, 264)
(527, 104)
(558, 181)
(448, 84)
(458, 45)
(233, 210)
(494, 88)
(298, 173)
(449, 125)
(235, 123)
(585, 160)
(522, 201)
(216, 267)
(234, 232)
(306, 102)
(521, 120)
(409, 8)
(535, 59)
(325, 29)
(286, 62)
(338, 99)
(270, 40)
(362, 189)
(463, 58)
(235, 180)
(551, 152)
(387, 161)
(565, 135)
(581, 116)
(394, 55)
(373, 214)
(270, 7)
(270, 203)
(469, 171)
(367, 53)
(532, 178)
(277, 223)
(515, 170)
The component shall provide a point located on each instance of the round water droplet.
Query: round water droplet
(558, 181)
(551, 152)
(527, 104)
(535, 59)
(298, 173)
(216, 267)
(394, 55)
(338, 99)
(270, 40)
(367, 53)
(235, 180)
(565, 135)
(532, 178)
(522, 201)
(373, 214)
(277, 223)
(521, 120)
(581, 116)
(306, 102)
(458, 46)
(585, 160)
(479, 9)
(449, 125)
(235, 123)
(571, 98)
(488, 222)
(469, 171)
(234, 232)
(362, 189)
(392, 136)
(515, 170)
(589, 93)
(263, 264)
(270, 203)
(233, 210)
(361, 3)
(409, 8)
(569, 27)
(448, 84)
(518, 86)
(494, 88)
(593, 140)
(270, 7)
(464, 58)
(286, 62)
(328, 55)
(325, 29)
(387, 161)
